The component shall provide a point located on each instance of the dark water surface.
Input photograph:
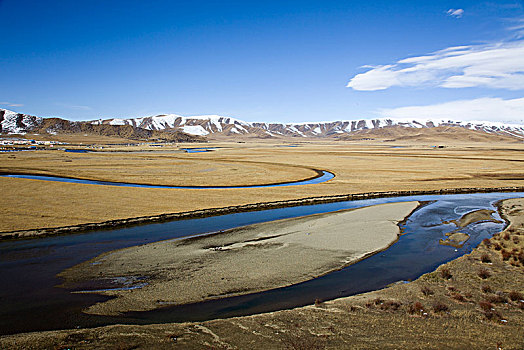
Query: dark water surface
(323, 177)
(30, 300)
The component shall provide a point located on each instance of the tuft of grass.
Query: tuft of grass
(483, 273)
(318, 302)
(514, 295)
(445, 273)
(440, 307)
(485, 258)
(426, 291)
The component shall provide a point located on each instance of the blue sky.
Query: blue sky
(287, 61)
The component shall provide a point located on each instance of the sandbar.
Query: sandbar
(240, 261)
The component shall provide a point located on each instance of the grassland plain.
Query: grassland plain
(474, 302)
(359, 167)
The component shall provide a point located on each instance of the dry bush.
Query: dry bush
(516, 240)
(485, 305)
(458, 297)
(505, 254)
(452, 289)
(416, 308)
(390, 305)
(486, 288)
(514, 295)
(486, 242)
(492, 315)
(426, 291)
(497, 246)
(318, 302)
(496, 298)
(440, 307)
(445, 273)
(483, 273)
(485, 258)
(506, 236)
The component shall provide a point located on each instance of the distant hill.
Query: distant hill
(17, 123)
(179, 128)
(214, 125)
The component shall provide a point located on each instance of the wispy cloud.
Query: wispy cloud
(497, 66)
(10, 104)
(481, 109)
(75, 107)
(457, 13)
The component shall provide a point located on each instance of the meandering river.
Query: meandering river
(30, 299)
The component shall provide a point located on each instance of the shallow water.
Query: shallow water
(323, 177)
(30, 301)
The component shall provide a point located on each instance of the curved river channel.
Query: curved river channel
(323, 176)
(30, 300)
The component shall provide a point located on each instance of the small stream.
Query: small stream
(30, 300)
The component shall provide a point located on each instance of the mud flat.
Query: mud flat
(239, 261)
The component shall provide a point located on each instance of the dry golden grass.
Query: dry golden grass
(359, 167)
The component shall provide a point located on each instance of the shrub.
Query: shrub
(445, 273)
(514, 295)
(506, 236)
(440, 307)
(485, 305)
(390, 305)
(515, 239)
(496, 298)
(452, 289)
(458, 297)
(416, 308)
(486, 242)
(318, 302)
(483, 273)
(426, 291)
(497, 246)
(492, 315)
(486, 288)
(505, 254)
(485, 258)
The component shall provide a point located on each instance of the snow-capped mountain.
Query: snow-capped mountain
(207, 125)
(17, 123)
(214, 124)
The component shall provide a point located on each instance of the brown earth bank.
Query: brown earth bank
(475, 301)
(360, 167)
(240, 261)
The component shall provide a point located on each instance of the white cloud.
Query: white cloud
(457, 13)
(10, 104)
(497, 66)
(484, 109)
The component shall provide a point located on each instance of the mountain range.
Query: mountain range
(221, 126)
